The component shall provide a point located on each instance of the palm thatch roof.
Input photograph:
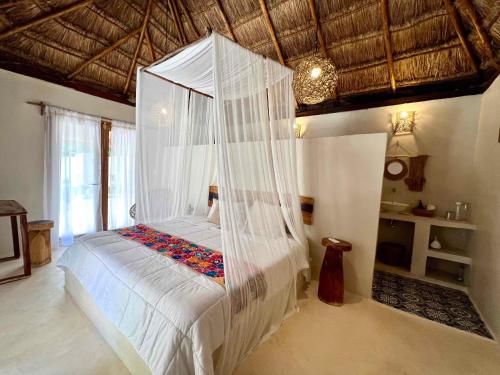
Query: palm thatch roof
(384, 49)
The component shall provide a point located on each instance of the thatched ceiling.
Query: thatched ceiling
(378, 46)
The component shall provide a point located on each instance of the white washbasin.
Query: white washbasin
(388, 206)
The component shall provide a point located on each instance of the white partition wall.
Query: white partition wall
(344, 176)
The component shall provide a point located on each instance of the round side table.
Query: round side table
(331, 277)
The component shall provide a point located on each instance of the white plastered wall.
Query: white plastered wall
(21, 138)
(344, 176)
(485, 270)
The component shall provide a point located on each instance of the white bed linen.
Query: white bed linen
(172, 315)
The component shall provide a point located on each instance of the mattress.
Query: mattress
(172, 316)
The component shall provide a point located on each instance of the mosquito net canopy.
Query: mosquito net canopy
(216, 113)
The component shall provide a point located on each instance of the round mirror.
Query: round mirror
(395, 169)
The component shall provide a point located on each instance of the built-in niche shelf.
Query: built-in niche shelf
(422, 254)
(444, 278)
(452, 255)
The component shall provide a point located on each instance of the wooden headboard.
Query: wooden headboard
(306, 204)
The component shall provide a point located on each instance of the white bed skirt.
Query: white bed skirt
(118, 342)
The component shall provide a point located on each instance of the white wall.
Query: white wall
(21, 138)
(344, 175)
(485, 271)
(445, 129)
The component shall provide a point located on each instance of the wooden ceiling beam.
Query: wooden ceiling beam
(9, 3)
(139, 45)
(45, 18)
(452, 12)
(270, 29)
(150, 45)
(317, 25)
(470, 12)
(177, 21)
(153, 22)
(225, 19)
(104, 52)
(384, 9)
(189, 17)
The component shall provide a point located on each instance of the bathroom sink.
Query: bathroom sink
(388, 206)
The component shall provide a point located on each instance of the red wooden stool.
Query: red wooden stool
(331, 277)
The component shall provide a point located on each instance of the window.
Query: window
(86, 172)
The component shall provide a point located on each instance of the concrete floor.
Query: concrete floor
(42, 331)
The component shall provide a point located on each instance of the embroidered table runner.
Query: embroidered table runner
(199, 258)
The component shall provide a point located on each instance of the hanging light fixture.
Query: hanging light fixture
(315, 80)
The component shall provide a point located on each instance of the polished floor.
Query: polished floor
(42, 331)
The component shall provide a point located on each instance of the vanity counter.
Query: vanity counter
(438, 221)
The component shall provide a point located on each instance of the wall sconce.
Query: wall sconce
(404, 124)
(297, 127)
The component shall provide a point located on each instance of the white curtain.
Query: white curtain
(72, 173)
(251, 141)
(121, 192)
(175, 162)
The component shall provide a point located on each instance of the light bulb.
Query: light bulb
(164, 111)
(315, 72)
(404, 115)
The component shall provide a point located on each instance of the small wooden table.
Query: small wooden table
(331, 277)
(13, 209)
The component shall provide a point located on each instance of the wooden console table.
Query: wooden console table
(13, 209)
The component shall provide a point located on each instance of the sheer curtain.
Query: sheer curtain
(248, 90)
(72, 173)
(175, 161)
(121, 193)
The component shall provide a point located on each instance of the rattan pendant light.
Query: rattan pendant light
(315, 78)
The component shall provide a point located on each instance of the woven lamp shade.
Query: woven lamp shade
(315, 80)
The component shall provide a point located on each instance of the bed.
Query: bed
(159, 315)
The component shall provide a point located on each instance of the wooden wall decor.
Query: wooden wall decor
(306, 204)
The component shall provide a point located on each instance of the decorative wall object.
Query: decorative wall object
(404, 123)
(297, 127)
(395, 169)
(416, 179)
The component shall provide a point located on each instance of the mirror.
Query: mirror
(395, 169)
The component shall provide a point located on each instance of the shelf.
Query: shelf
(437, 221)
(453, 255)
(444, 278)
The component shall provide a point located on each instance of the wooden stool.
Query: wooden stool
(331, 277)
(39, 237)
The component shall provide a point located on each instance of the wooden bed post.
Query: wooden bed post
(105, 130)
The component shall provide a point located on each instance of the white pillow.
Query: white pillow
(256, 216)
(214, 214)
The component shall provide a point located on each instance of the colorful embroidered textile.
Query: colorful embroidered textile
(200, 259)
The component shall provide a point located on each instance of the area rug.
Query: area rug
(434, 302)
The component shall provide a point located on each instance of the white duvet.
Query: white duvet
(172, 315)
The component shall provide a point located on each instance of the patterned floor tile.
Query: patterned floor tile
(434, 302)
